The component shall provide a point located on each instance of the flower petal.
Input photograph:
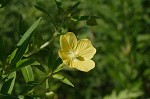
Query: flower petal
(63, 55)
(65, 58)
(85, 49)
(64, 43)
(85, 66)
(68, 41)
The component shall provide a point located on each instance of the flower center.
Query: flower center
(74, 56)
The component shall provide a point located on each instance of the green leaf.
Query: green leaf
(40, 67)
(56, 64)
(61, 10)
(49, 95)
(22, 26)
(29, 86)
(23, 44)
(10, 57)
(19, 53)
(3, 54)
(22, 63)
(59, 68)
(73, 8)
(62, 79)
(47, 13)
(83, 18)
(28, 32)
(27, 73)
(41, 9)
(91, 22)
(9, 84)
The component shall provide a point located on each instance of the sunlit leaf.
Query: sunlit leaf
(62, 79)
(23, 63)
(27, 73)
(11, 56)
(9, 84)
(59, 68)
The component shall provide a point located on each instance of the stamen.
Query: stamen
(74, 56)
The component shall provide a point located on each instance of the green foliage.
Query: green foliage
(29, 63)
(28, 33)
(29, 86)
(27, 73)
(62, 79)
(8, 84)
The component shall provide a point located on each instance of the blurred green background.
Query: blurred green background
(122, 40)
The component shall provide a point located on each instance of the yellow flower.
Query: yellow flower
(76, 54)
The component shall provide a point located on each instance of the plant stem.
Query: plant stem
(43, 46)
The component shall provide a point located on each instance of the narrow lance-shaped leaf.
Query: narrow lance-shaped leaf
(61, 10)
(28, 32)
(12, 83)
(59, 68)
(41, 9)
(40, 67)
(19, 53)
(56, 64)
(22, 63)
(62, 79)
(9, 84)
(73, 8)
(22, 26)
(11, 56)
(83, 18)
(23, 44)
(29, 86)
(27, 73)
(47, 13)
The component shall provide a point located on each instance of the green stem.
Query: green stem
(43, 46)
(51, 19)
(47, 85)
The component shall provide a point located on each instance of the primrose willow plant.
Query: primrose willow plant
(76, 54)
